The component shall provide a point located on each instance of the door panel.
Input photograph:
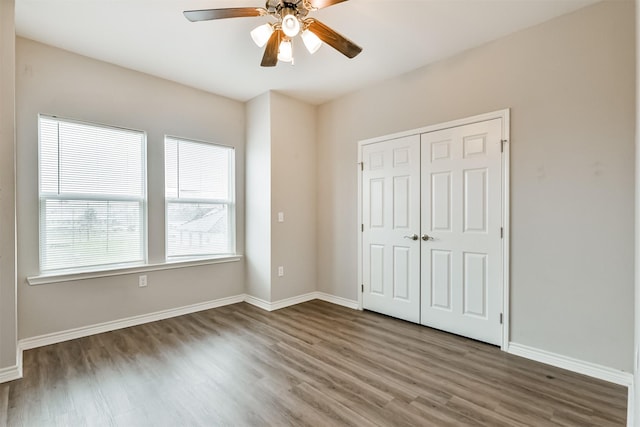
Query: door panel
(401, 273)
(391, 211)
(441, 279)
(475, 200)
(441, 201)
(377, 202)
(376, 269)
(461, 263)
(475, 284)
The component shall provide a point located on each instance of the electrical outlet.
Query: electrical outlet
(280, 216)
(280, 271)
(142, 281)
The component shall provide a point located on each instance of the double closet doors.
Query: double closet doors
(432, 236)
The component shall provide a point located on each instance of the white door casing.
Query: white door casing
(391, 223)
(461, 210)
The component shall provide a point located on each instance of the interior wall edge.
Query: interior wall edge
(8, 217)
(634, 396)
(631, 398)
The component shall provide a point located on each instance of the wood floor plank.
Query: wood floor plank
(313, 364)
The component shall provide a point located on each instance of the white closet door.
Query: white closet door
(461, 258)
(391, 219)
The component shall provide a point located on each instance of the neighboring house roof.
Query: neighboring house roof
(211, 222)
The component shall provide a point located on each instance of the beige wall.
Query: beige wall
(53, 81)
(280, 178)
(570, 86)
(258, 197)
(293, 186)
(8, 340)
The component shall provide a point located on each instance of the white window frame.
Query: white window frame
(231, 203)
(42, 197)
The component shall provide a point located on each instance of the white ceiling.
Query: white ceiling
(397, 36)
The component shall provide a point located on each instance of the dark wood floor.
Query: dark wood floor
(312, 364)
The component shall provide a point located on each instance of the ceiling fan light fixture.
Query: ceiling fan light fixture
(290, 25)
(290, 18)
(261, 34)
(285, 53)
(311, 41)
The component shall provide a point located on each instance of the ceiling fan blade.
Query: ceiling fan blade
(319, 4)
(230, 12)
(333, 39)
(270, 58)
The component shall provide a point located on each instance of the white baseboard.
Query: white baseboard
(344, 302)
(272, 306)
(292, 301)
(11, 373)
(57, 337)
(575, 365)
(260, 303)
(586, 368)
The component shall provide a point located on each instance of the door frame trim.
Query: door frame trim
(504, 115)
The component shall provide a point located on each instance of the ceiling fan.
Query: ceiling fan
(290, 20)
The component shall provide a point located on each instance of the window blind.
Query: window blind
(92, 195)
(199, 186)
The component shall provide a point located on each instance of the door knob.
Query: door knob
(412, 237)
(426, 237)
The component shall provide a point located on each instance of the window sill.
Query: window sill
(68, 277)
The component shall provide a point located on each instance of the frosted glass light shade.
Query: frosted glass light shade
(261, 34)
(285, 53)
(311, 41)
(290, 25)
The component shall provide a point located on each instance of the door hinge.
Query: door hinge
(362, 227)
(362, 288)
(502, 142)
(361, 165)
(501, 318)
(501, 232)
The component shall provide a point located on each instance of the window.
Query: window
(200, 194)
(92, 195)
